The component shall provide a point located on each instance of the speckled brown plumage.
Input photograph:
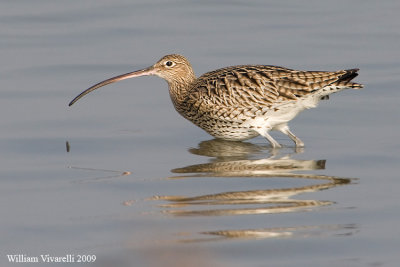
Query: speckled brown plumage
(241, 102)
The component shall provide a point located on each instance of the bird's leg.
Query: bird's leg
(273, 142)
(285, 129)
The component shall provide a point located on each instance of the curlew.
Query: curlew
(241, 102)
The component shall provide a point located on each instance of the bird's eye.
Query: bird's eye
(169, 63)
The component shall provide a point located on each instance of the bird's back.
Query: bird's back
(267, 85)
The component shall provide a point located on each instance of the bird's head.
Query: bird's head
(174, 69)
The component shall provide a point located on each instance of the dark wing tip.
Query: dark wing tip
(349, 75)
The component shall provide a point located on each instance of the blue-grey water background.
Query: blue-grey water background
(98, 178)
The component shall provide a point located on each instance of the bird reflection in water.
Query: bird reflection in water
(279, 232)
(247, 160)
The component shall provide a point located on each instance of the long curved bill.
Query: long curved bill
(138, 73)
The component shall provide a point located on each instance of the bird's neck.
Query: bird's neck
(179, 89)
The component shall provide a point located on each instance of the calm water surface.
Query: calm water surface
(122, 176)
